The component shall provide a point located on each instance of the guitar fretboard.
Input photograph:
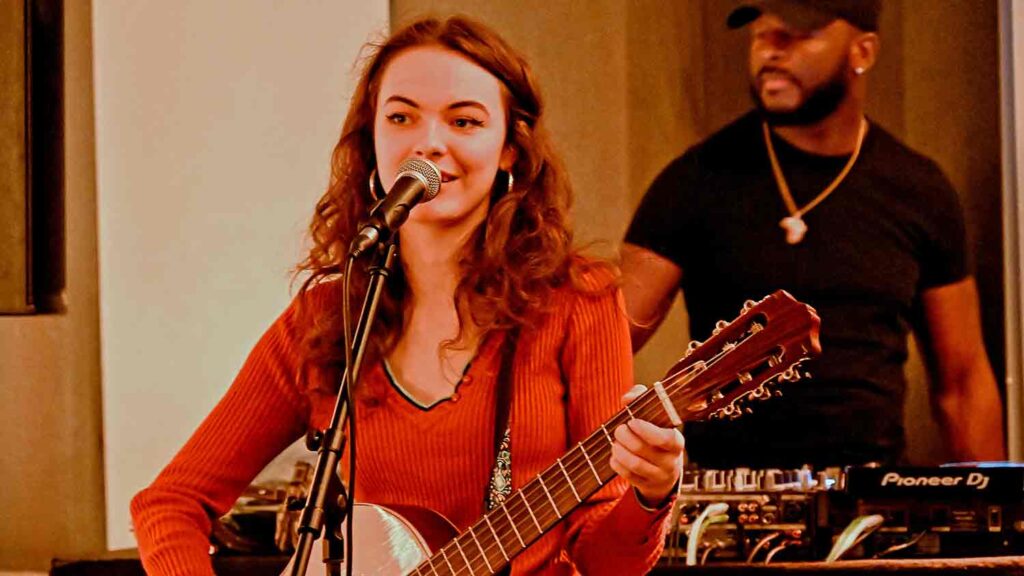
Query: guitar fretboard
(528, 513)
(769, 337)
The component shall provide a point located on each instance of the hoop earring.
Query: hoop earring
(373, 185)
(858, 70)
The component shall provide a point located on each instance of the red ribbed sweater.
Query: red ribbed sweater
(570, 373)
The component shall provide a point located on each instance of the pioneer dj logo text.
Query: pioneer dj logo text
(975, 480)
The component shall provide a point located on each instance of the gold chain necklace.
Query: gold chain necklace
(794, 224)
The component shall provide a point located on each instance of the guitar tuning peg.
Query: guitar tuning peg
(756, 327)
(719, 326)
(744, 377)
(748, 410)
(693, 345)
(748, 305)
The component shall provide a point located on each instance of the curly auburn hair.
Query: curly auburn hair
(513, 261)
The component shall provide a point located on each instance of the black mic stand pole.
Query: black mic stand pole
(322, 508)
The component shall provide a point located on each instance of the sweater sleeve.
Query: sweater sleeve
(611, 533)
(262, 413)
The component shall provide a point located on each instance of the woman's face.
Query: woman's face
(438, 105)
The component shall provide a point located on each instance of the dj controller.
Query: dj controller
(764, 516)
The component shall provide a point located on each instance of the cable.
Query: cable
(782, 546)
(677, 509)
(674, 529)
(713, 513)
(347, 343)
(761, 544)
(903, 546)
(856, 531)
(707, 552)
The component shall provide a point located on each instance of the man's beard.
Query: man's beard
(819, 104)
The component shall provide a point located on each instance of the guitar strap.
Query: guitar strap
(500, 484)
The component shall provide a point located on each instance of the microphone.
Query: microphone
(418, 181)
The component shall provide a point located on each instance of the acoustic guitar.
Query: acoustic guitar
(740, 362)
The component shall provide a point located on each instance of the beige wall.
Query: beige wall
(51, 490)
(950, 111)
(215, 123)
(219, 222)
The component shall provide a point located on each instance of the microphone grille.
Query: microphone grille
(427, 170)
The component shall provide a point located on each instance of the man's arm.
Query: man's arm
(649, 284)
(964, 391)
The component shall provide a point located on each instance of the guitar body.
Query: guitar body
(388, 540)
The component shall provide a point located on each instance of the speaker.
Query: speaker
(32, 239)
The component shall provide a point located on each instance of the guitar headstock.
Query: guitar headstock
(743, 359)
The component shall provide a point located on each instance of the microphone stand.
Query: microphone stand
(323, 510)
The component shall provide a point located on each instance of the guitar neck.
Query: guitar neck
(766, 342)
(528, 513)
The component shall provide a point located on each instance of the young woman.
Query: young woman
(486, 269)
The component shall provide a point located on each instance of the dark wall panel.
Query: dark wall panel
(14, 261)
(31, 157)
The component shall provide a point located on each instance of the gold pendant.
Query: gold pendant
(795, 228)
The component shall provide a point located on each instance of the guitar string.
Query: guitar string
(646, 407)
(642, 410)
(575, 464)
(561, 496)
(564, 494)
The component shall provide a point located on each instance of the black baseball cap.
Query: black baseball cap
(810, 14)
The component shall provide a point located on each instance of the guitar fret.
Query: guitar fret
(446, 561)
(666, 404)
(496, 539)
(530, 510)
(607, 435)
(483, 554)
(464, 558)
(512, 523)
(628, 410)
(432, 569)
(589, 463)
(540, 478)
(571, 487)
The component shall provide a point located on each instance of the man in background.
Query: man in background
(806, 194)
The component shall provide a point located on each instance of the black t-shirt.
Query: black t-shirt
(893, 228)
